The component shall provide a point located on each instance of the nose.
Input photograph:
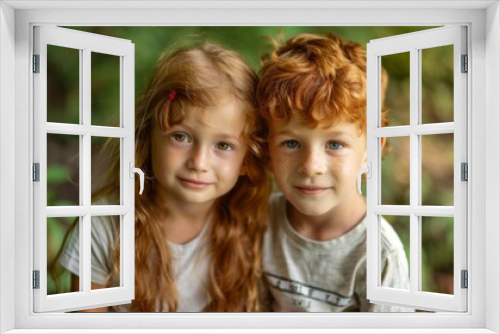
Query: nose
(199, 159)
(314, 163)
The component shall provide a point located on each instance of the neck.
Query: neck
(182, 221)
(332, 224)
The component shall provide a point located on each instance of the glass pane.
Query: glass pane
(63, 170)
(105, 74)
(396, 172)
(105, 171)
(437, 254)
(58, 234)
(63, 85)
(105, 261)
(397, 227)
(437, 169)
(397, 96)
(437, 84)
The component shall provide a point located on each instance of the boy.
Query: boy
(312, 95)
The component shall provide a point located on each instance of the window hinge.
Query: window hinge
(36, 279)
(465, 64)
(464, 172)
(36, 63)
(36, 172)
(465, 279)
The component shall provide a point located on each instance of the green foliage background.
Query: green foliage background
(252, 42)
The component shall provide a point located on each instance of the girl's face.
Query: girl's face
(200, 159)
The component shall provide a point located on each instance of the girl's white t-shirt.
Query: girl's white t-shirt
(190, 262)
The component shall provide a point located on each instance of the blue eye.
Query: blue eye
(291, 144)
(333, 145)
(225, 146)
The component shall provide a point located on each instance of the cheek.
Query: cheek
(348, 167)
(230, 166)
(280, 164)
(165, 159)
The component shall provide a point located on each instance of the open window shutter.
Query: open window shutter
(84, 130)
(414, 43)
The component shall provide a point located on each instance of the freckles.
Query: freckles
(281, 164)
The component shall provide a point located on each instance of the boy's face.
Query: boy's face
(316, 168)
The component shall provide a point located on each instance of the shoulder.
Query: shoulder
(105, 228)
(390, 241)
(277, 208)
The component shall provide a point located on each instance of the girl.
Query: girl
(200, 221)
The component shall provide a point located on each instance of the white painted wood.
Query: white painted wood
(79, 130)
(491, 162)
(246, 4)
(418, 129)
(7, 167)
(86, 43)
(412, 43)
(420, 210)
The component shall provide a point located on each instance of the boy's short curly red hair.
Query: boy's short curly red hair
(320, 79)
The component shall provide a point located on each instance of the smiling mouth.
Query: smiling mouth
(195, 184)
(308, 190)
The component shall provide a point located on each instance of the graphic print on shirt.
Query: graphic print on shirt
(304, 290)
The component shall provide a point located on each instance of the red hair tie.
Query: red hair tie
(172, 95)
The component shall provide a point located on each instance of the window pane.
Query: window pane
(58, 277)
(105, 168)
(437, 254)
(397, 97)
(437, 84)
(105, 261)
(63, 85)
(437, 169)
(63, 170)
(396, 172)
(401, 226)
(105, 89)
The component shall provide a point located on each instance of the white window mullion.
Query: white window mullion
(460, 155)
(86, 165)
(127, 121)
(415, 157)
(40, 156)
(373, 184)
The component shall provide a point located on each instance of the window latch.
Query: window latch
(141, 175)
(368, 172)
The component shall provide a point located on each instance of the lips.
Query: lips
(193, 183)
(311, 190)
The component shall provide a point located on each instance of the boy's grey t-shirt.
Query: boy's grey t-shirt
(304, 275)
(190, 263)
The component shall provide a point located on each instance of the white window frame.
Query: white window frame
(414, 44)
(86, 44)
(16, 214)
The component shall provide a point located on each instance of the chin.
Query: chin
(310, 209)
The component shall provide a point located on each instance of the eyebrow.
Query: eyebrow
(291, 133)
